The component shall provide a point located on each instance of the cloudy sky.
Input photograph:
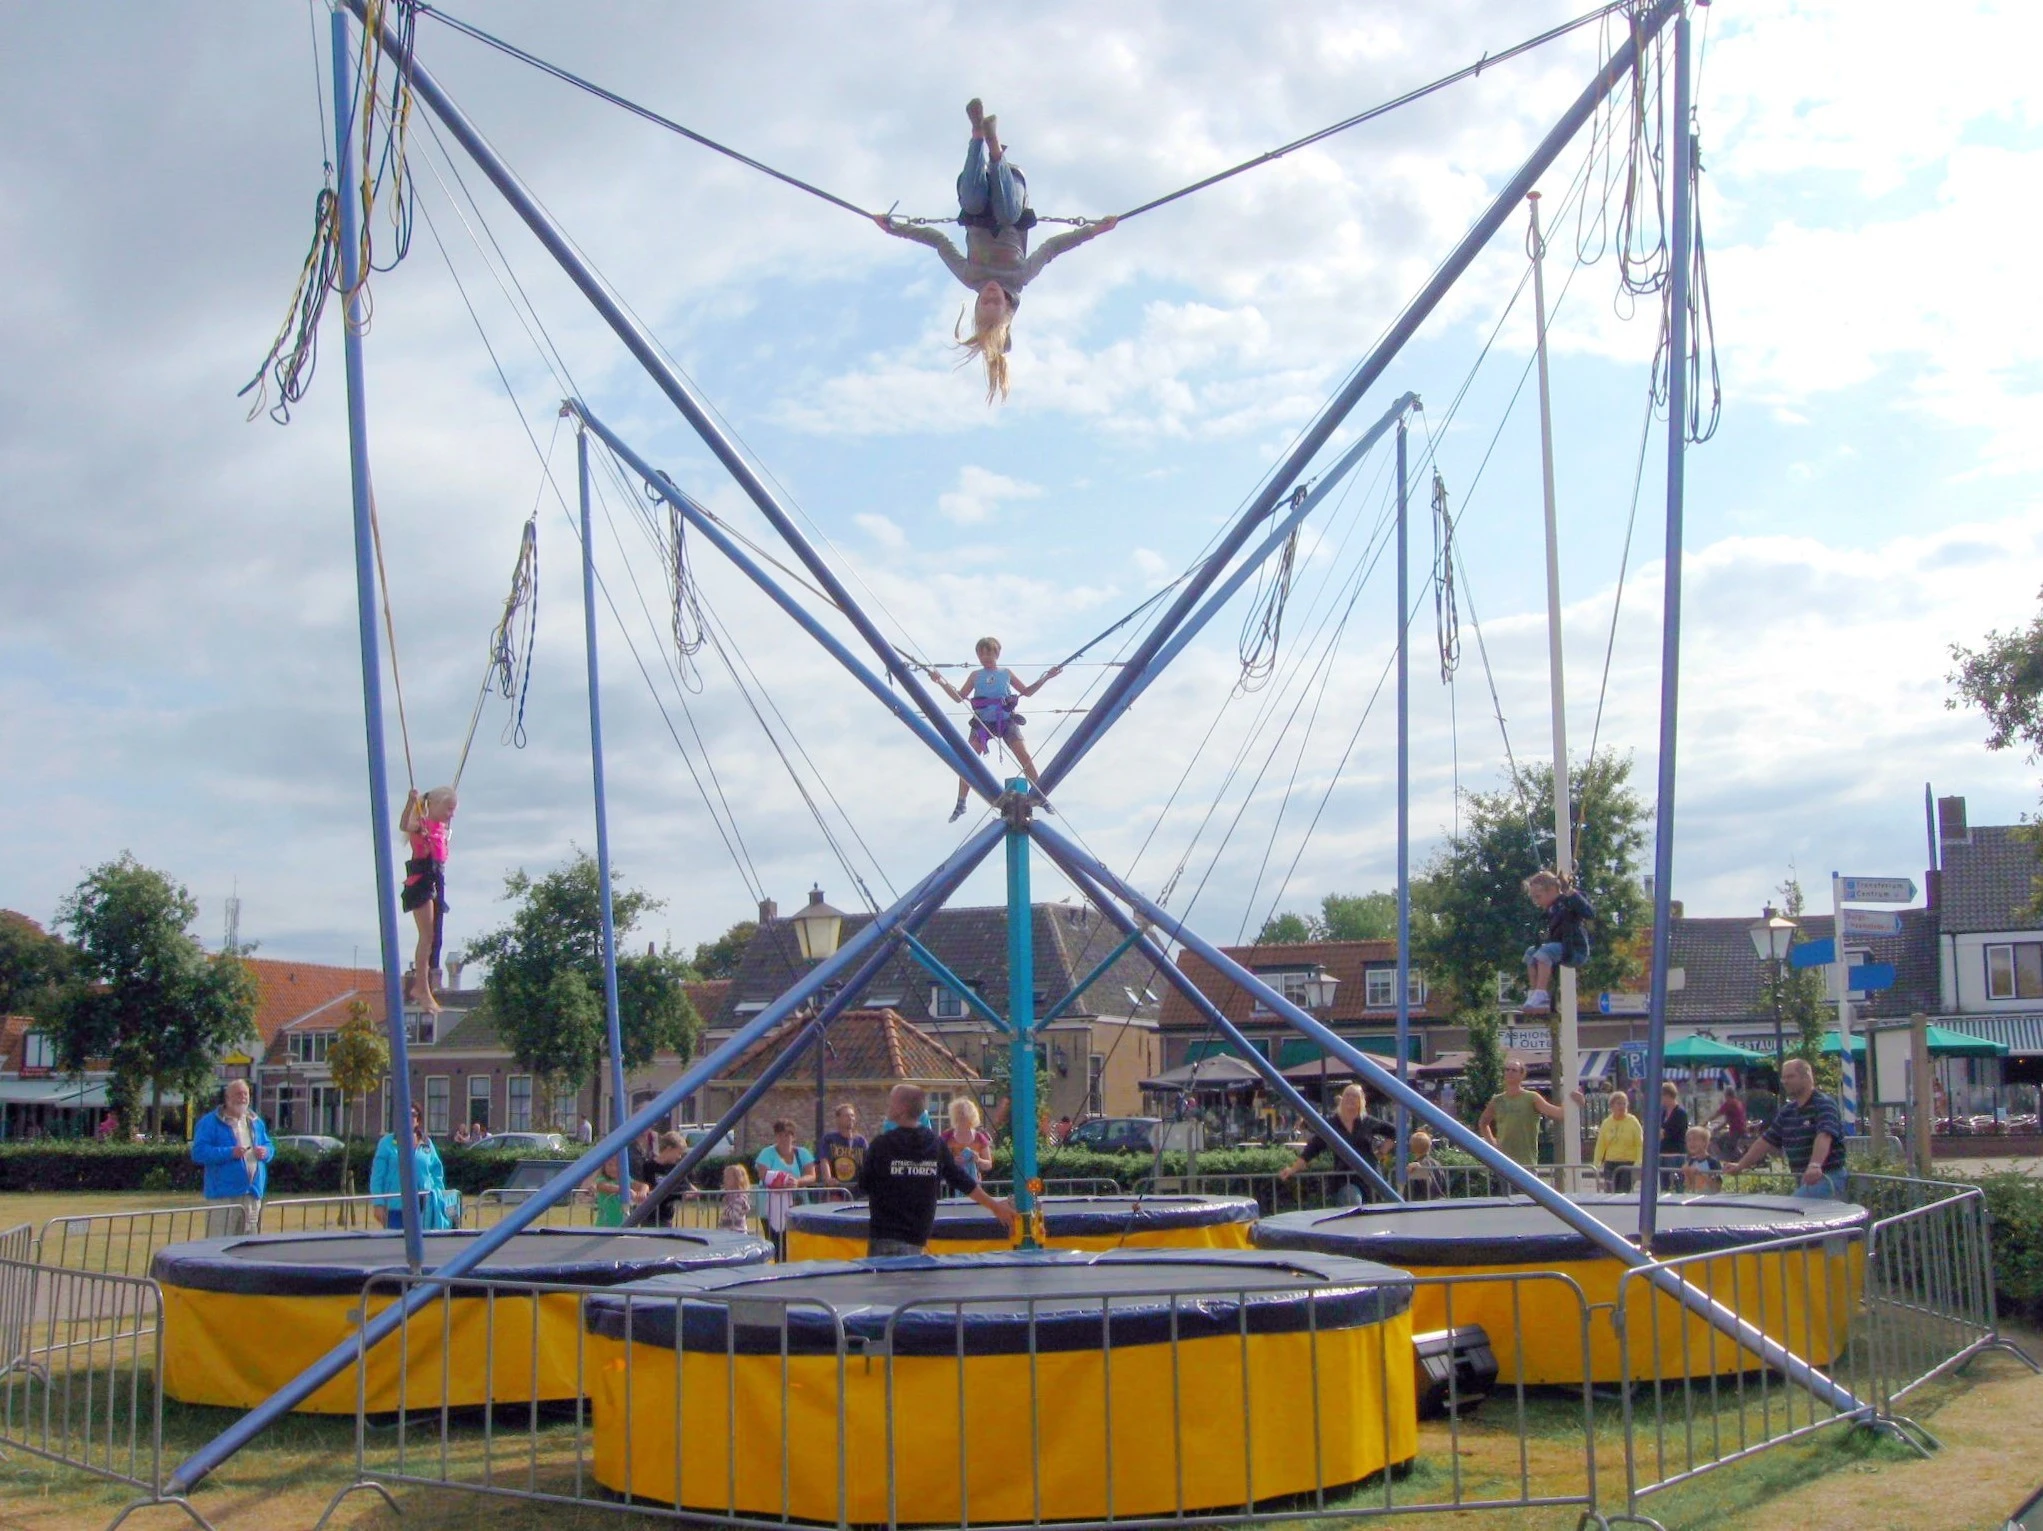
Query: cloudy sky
(179, 672)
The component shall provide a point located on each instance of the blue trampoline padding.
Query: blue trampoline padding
(1065, 1216)
(331, 1264)
(1517, 1231)
(1077, 1299)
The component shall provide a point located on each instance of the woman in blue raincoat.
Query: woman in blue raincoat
(442, 1206)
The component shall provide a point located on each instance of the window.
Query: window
(309, 1046)
(284, 1107)
(439, 1095)
(38, 1052)
(326, 1110)
(479, 1091)
(938, 1104)
(945, 1005)
(421, 1027)
(1289, 982)
(2014, 970)
(518, 1103)
(1095, 1084)
(566, 1113)
(1379, 988)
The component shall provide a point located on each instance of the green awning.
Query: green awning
(1294, 1052)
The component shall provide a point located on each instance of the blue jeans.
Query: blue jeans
(1829, 1188)
(1549, 952)
(1352, 1195)
(997, 189)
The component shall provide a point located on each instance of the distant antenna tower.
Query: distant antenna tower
(234, 918)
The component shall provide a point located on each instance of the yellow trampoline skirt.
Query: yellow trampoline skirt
(710, 1415)
(837, 1230)
(244, 1316)
(1802, 1296)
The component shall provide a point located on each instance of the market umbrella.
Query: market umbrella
(1943, 1043)
(1708, 1052)
(1221, 1071)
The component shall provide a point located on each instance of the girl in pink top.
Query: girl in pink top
(425, 820)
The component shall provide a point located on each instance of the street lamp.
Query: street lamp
(817, 928)
(1773, 936)
(1319, 998)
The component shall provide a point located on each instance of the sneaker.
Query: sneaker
(957, 812)
(1537, 1000)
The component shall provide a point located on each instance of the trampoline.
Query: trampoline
(837, 1230)
(1044, 1385)
(1801, 1296)
(243, 1316)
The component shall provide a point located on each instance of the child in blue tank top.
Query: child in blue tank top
(994, 694)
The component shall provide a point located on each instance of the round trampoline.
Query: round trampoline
(1801, 1296)
(243, 1316)
(837, 1230)
(1001, 1387)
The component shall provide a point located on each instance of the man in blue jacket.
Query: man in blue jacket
(234, 1147)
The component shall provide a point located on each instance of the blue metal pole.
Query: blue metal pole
(938, 884)
(1273, 1076)
(677, 389)
(1021, 1006)
(724, 543)
(380, 829)
(1670, 633)
(941, 972)
(1099, 971)
(1695, 1299)
(613, 1023)
(1110, 704)
(1404, 801)
(1245, 570)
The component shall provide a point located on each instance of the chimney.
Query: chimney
(1951, 826)
(768, 911)
(454, 967)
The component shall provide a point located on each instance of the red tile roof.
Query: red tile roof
(865, 1045)
(289, 992)
(1347, 961)
(707, 995)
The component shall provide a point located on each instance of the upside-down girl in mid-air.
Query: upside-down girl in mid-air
(427, 820)
(994, 694)
(993, 205)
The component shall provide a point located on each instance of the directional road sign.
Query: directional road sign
(1867, 977)
(1871, 922)
(1812, 954)
(1878, 890)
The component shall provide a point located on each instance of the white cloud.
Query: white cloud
(980, 493)
(882, 530)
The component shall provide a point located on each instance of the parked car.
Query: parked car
(694, 1132)
(531, 1144)
(308, 1142)
(1136, 1135)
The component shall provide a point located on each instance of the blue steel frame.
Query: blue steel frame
(1019, 826)
(613, 1024)
(380, 829)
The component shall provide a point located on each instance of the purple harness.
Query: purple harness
(992, 717)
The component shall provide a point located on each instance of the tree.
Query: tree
(544, 992)
(358, 1056)
(720, 958)
(1342, 917)
(1803, 995)
(143, 994)
(2003, 678)
(1471, 919)
(1484, 1075)
(33, 965)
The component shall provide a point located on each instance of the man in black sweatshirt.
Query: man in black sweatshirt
(905, 1172)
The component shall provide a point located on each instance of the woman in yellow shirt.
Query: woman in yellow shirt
(1620, 1145)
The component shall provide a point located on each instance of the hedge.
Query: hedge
(92, 1166)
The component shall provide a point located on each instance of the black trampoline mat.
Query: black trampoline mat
(1511, 1230)
(531, 1252)
(1061, 1214)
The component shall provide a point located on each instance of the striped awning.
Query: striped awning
(1595, 1062)
(2018, 1033)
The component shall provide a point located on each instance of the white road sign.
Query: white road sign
(1871, 922)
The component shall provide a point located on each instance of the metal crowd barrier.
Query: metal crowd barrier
(81, 1358)
(706, 1446)
(123, 1243)
(1069, 1186)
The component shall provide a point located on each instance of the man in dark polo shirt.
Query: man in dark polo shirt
(905, 1172)
(1809, 1132)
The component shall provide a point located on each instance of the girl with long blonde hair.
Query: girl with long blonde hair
(993, 206)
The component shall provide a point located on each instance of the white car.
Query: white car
(694, 1132)
(307, 1142)
(533, 1145)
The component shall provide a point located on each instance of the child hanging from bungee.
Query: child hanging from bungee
(993, 206)
(1566, 939)
(994, 694)
(426, 820)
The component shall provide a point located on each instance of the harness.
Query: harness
(992, 717)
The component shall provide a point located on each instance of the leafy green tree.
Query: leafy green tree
(1803, 995)
(2003, 678)
(143, 994)
(1341, 917)
(358, 1056)
(33, 965)
(720, 958)
(1471, 919)
(544, 992)
(1484, 1075)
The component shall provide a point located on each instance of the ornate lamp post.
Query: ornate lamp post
(1772, 935)
(817, 930)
